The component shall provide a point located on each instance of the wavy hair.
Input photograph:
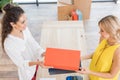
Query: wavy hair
(111, 25)
(11, 14)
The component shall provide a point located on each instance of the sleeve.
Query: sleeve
(16, 57)
(37, 48)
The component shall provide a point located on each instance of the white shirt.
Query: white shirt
(21, 52)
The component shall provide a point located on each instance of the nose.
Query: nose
(99, 32)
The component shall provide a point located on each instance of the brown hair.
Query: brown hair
(12, 14)
(111, 25)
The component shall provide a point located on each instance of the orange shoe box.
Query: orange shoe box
(62, 58)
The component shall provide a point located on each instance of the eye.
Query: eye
(101, 30)
(23, 22)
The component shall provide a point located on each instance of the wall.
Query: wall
(29, 1)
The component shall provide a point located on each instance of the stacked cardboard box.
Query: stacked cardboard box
(64, 8)
(66, 1)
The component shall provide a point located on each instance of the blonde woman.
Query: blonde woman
(105, 64)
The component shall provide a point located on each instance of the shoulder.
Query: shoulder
(9, 42)
(117, 54)
(117, 51)
(12, 44)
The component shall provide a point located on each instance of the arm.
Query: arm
(17, 58)
(87, 57)
(32, 63)
(39, 51)
(90, 55)
(38, 62)
(114, 69)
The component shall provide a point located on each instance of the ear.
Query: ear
(12, 24)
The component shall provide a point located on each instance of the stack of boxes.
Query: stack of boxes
(67, 7)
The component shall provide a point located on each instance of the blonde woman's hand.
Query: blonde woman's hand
(84, 71)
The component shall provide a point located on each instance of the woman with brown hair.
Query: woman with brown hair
(18, 42)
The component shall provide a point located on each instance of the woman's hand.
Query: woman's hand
(41, 63)
(87, 57)
(84, 71)
(43, 54)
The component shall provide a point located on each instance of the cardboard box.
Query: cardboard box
(66, 1)
(65, 9)
(64, 12)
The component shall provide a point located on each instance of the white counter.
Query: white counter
(65, 35)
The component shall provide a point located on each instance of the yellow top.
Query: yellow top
(102, 59)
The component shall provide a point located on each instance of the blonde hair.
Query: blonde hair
(111, 25)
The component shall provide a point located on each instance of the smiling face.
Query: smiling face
(20, 25)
